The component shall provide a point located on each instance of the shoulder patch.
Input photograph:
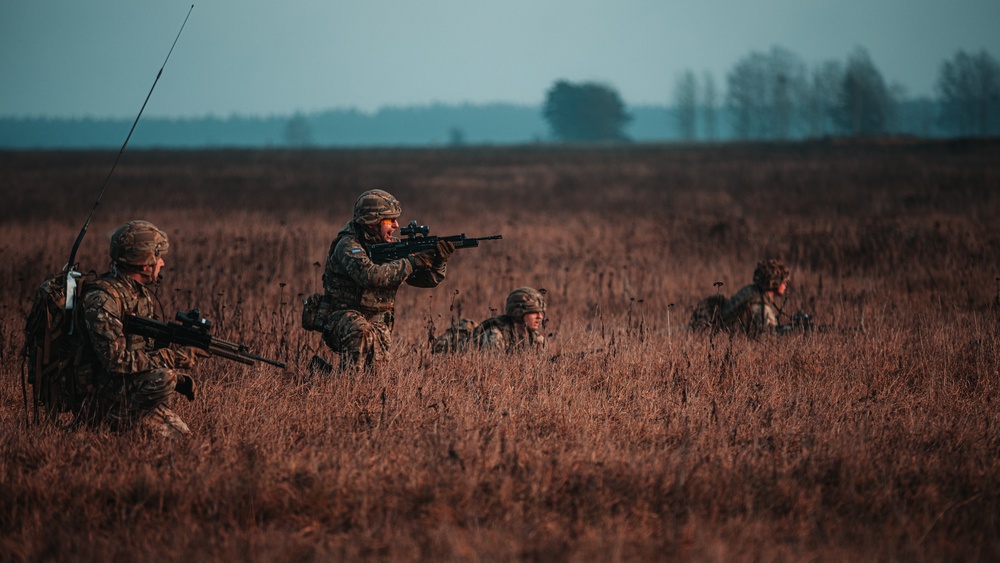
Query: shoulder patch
(355, 250)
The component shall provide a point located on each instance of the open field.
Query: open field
(629, 438)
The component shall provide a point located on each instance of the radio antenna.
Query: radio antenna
(86, 224)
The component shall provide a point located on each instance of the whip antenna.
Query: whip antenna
(86, 224)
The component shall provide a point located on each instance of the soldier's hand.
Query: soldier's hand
(188, 356)
(444, 251)
(185, 386)
(423, 260)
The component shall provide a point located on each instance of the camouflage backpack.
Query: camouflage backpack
(707, 314)
(54, 343)
(456, 338)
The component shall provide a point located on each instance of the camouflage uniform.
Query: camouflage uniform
(456, 338)
(507, 332)
(131, 381)
(360, 295)
(752, 309)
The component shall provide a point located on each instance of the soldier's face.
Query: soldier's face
(533, 320)
(149, 274)
(156, 268)
(387, 228)
(782, 288)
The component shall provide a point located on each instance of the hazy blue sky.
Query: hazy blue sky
(256, 57)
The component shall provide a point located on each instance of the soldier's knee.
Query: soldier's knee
(153, 387)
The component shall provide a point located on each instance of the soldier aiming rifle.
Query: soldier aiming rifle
(364, 269)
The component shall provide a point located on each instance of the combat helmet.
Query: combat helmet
(770, 274)
(375, 205)
(524, 300)
(138, 243)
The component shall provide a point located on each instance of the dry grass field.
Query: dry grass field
(876, 438)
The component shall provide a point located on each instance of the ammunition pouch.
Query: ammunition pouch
(315, 312)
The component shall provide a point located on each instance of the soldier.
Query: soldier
(456, 338)
(360, 295)
(752, 309)
(517, 328)
(131, 380)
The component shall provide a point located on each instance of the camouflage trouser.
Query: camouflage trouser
(707, 314)
(141, 394)
(361, 340)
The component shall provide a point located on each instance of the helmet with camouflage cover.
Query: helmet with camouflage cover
(770, 274)
(138, 243)
(375, 205)
(524, 300)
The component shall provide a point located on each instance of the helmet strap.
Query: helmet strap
(141, 274)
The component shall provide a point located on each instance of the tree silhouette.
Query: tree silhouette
(864, 104)
(969, 86)
(765, 92)
(456, 137)
(709, 106)
(686, 100)
(585, 112)
(822, 98)
(297, 132)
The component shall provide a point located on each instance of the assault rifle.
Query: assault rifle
(417, 240)
(192, 330)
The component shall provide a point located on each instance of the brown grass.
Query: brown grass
(629, 438)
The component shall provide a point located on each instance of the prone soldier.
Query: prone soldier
(517, 329)
(752, 309)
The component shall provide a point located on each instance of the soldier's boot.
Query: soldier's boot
(165, 422)
(320, 366)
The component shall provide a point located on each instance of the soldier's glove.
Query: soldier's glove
(444, 251)
(423, 260)
(185, 386)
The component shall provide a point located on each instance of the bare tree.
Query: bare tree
(864, 104)
(822, 96)
(765, 92)
(745, 95)
(297, 132)
(456, 137)
(969, 86)
(686, 100)
(710, 103)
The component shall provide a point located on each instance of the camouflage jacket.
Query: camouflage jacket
(111, 351)
(502, 333)
(751, 309)
(353, 281)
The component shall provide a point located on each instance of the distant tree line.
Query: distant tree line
(775, 95)
(770, 95)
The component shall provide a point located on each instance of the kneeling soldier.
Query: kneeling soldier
(131, 379)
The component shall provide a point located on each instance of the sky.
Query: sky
(99, 58)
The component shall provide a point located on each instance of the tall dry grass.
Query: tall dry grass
(629, 438)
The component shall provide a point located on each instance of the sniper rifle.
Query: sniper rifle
(191, 330)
